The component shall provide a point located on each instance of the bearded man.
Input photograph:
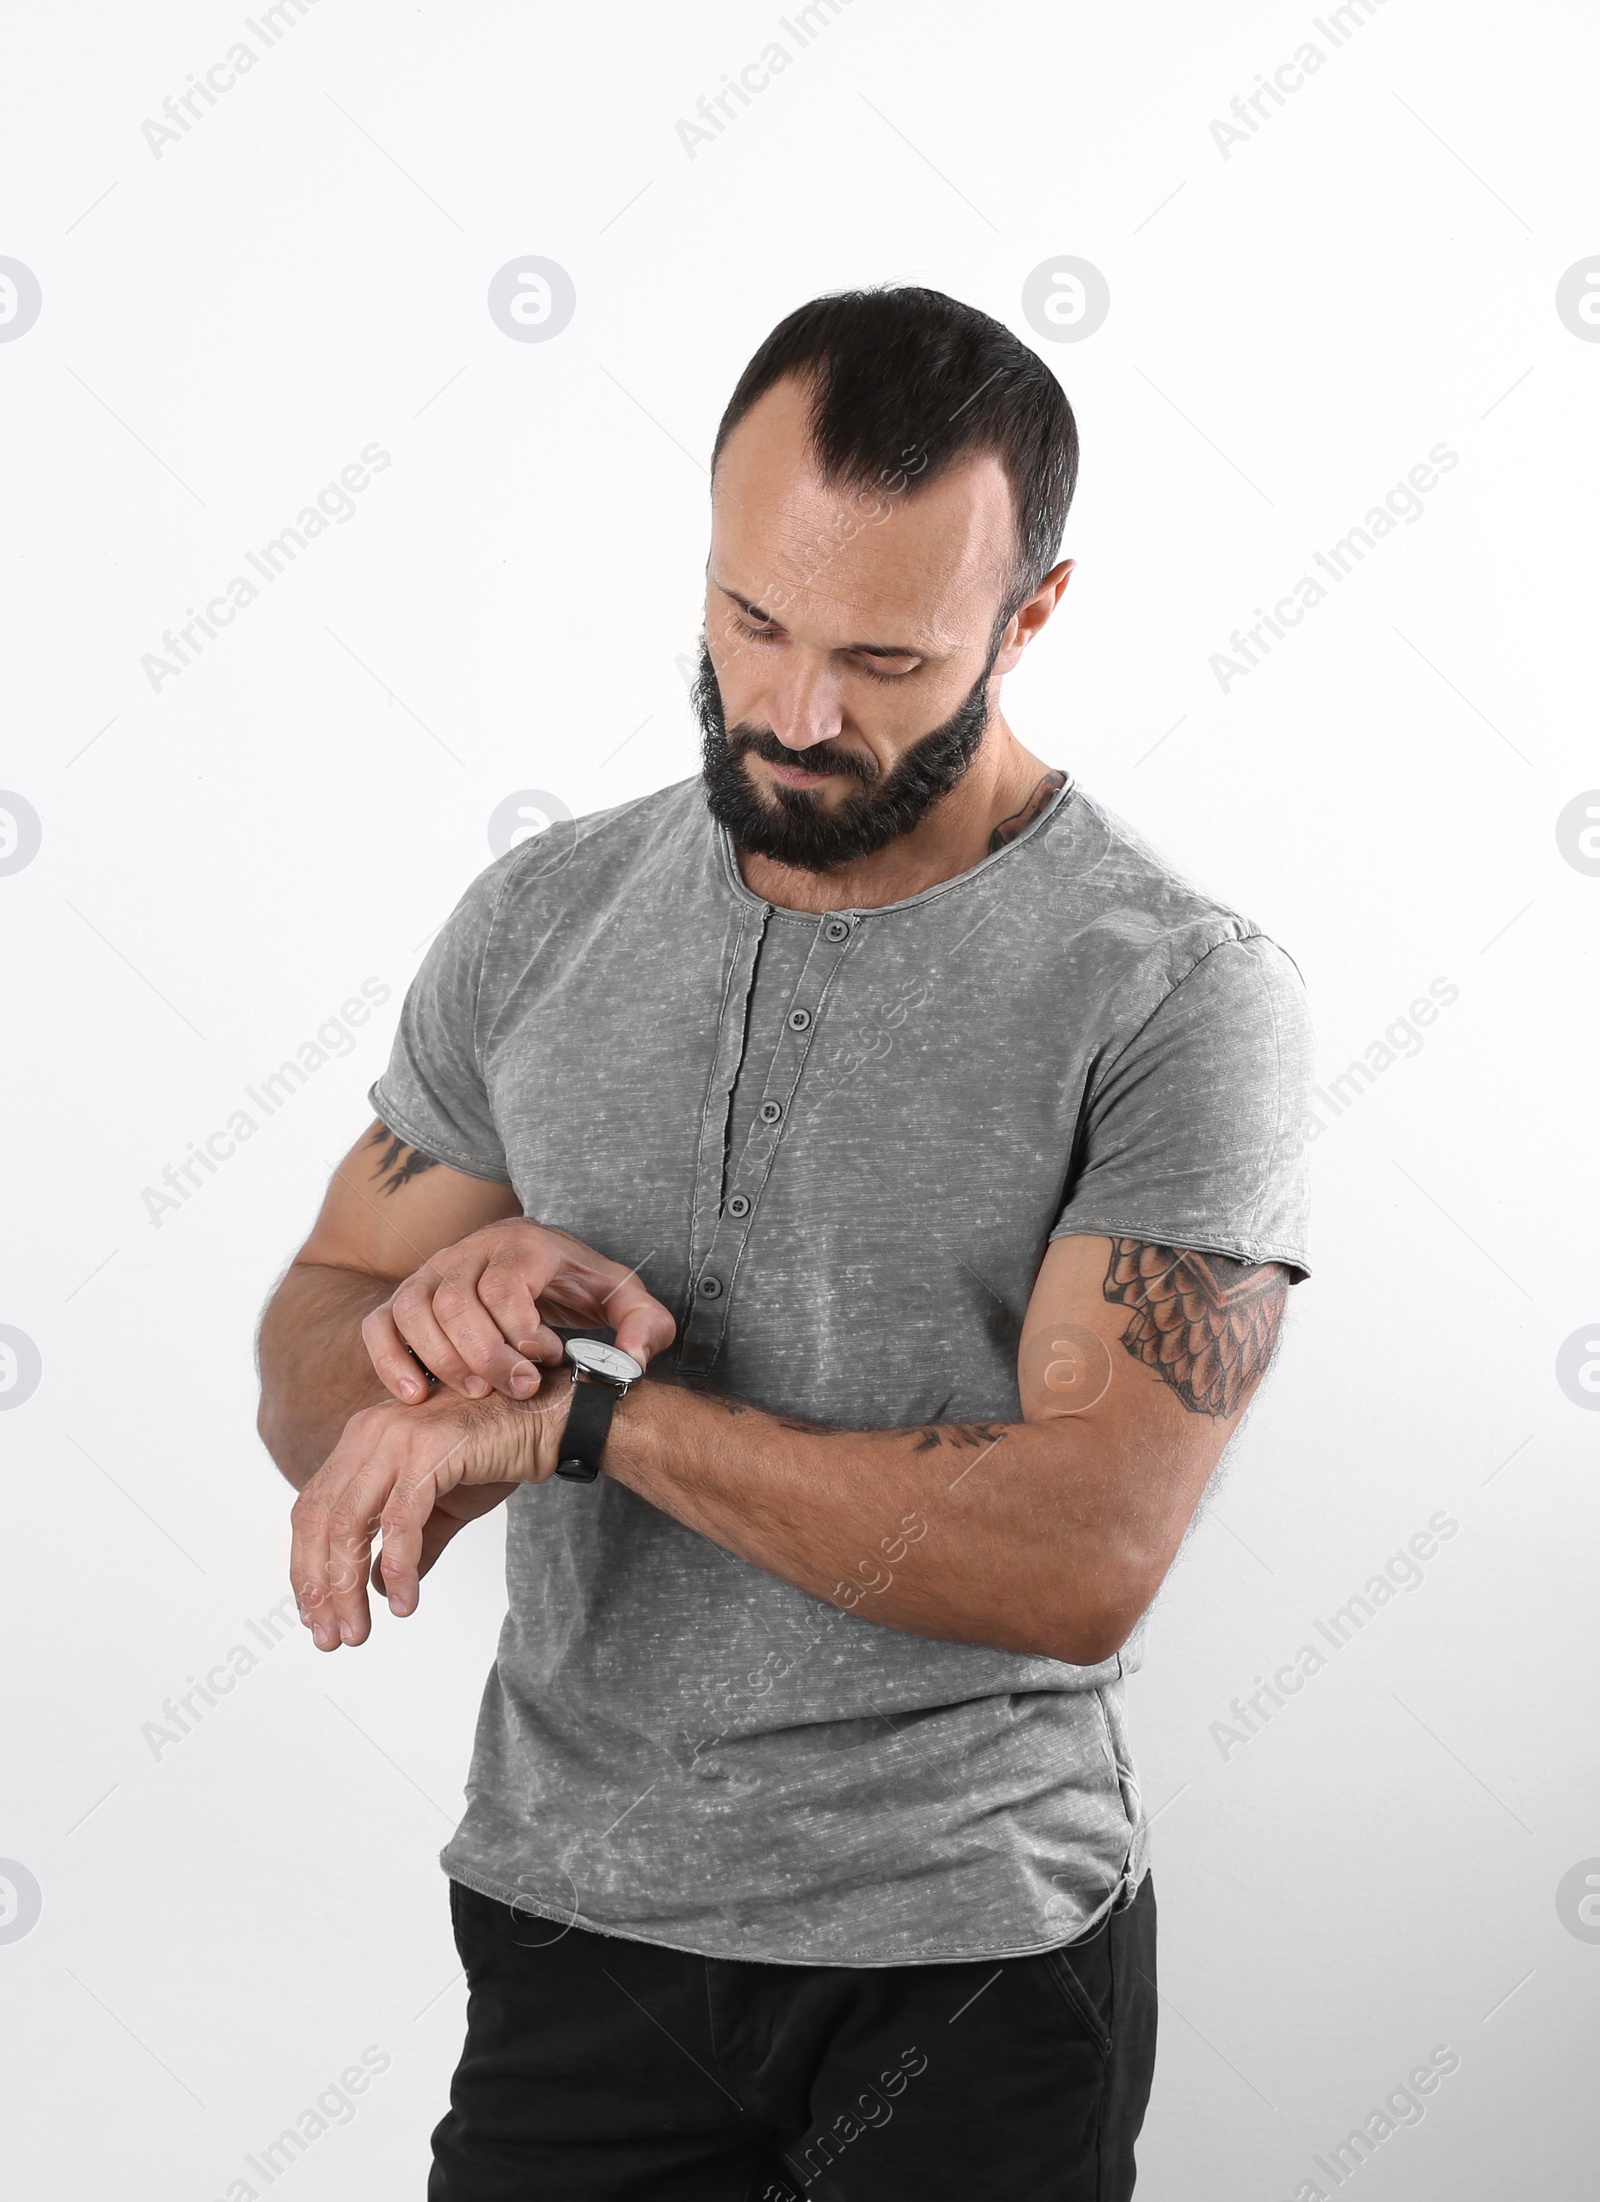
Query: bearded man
(842, 1205)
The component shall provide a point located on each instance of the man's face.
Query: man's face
(850, 639)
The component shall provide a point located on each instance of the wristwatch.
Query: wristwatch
(601, 1374)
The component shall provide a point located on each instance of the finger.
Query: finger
(490, 1308)
(506, 1292)
(437, 1532)
(391, 1358)
(476, 1335)
(643, 1326)
(540, 1343)
(336, 1518)
(352, 1535)
(599, 1290)
(414, 1535)
(308, 1560)
(318, 1572)
(353, 1513)
(412, 1307)
(453, 1510)
(409, 1508)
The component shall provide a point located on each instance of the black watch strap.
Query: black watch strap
(588, 1426)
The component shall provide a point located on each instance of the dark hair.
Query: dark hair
(898, 374)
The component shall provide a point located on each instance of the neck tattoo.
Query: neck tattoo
(1020, 820)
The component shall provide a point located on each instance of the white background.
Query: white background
(226, 1926)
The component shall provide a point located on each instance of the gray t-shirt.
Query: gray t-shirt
(836, 1148)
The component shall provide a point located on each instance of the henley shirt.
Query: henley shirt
(836, 1147)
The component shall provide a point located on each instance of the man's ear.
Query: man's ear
(1026, 621)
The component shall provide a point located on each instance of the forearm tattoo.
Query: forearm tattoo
(1009, 828)
(400, 1162)
(1206, 1324)
(959, 1435)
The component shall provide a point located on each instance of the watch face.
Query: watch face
(597, 1359)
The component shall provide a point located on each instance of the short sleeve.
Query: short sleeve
(433, 1092)
(1195, 1128)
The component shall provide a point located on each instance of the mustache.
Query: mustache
(760, 741)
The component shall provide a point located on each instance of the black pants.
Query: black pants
(602, 2070)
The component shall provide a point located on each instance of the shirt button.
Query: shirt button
(835, 929)
(771, 1111)
(739, 1205)
(799, 1019)
(711, 1288)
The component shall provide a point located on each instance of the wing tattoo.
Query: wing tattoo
(1206, 1324)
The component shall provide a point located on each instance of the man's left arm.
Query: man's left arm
(1050, 1535)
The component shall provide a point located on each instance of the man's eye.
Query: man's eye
(876, 672)
(751, 634)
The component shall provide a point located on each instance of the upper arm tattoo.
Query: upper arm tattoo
(400, 1162)
(1206, 1324)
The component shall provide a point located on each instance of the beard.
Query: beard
(796, 830)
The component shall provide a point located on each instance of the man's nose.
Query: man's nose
(802, 704)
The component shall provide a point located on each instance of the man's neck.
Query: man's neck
(997, 798)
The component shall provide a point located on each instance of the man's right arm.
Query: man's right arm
(388, 1210)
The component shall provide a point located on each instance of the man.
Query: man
(934, 1149)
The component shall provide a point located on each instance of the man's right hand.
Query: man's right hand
(408, 1252)
(479, 1312)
